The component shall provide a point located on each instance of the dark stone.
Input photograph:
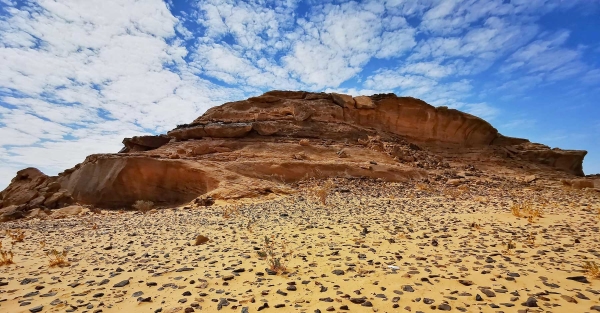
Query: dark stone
(38, 308)
(530, 303)
(580, 279)
(444, 307)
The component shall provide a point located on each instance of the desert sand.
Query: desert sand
(373, 246)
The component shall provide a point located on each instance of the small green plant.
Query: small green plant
(276, 255)
(592, 269)
(6, 256)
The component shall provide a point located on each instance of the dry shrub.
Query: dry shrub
(527, 210)
(16, 235)
(591, 269)
(322, 192)
(453, 193)
(423, 187)
(475, 225)
(6, 256)
(55, 257)
(277, 256)
(510, 246)
(304, 142)
(531, 239)
(516, 210)
(143, 206)
(229, 212)
(200, 240)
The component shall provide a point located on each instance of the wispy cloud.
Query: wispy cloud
(78, 76)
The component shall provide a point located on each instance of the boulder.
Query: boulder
(59, 199)
(144, 143)
(24, 187)
(37, 213)
(579, 183)
(345, 101)
(232, 130)
(364, 102)
(12, 212)
(530, 178)
(68, 211)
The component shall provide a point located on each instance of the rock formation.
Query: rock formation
(260, 145)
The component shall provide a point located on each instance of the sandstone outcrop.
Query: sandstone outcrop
(144, 143)
(261, 145)
(31, 189)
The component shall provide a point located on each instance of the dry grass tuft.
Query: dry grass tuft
(143, 206)
(423, 187)
(16, 235)
(531, 239)
(591, 269)
(6, 256)
(55, 257)
(322, 192)
(527, 210)
(475, 225)
(510, 246)
(230, 212)
(277, 256)
(250, 226)
(200, 240)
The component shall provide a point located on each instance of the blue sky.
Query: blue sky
(78, 76)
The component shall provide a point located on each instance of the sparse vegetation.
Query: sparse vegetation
(323, 191)
(531, 239)
(250, 226)
(423, 187)
(591, 269)
(276, 255)
(527, 210)
(17, 235)
(143, 206)
(516, 210)
(510, 246)
(55, 257)
(229, 212)
(6, 256)
(475, 225)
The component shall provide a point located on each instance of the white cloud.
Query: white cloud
(92, 61)
(78, 76)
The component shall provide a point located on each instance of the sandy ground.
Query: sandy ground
(374, 247)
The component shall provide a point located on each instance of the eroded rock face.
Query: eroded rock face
(144, 143)
(256, 146)
(32, 189)
(110, 181)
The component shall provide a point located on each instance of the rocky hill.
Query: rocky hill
(261, 145)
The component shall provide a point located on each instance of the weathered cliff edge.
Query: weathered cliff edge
(255, 146)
